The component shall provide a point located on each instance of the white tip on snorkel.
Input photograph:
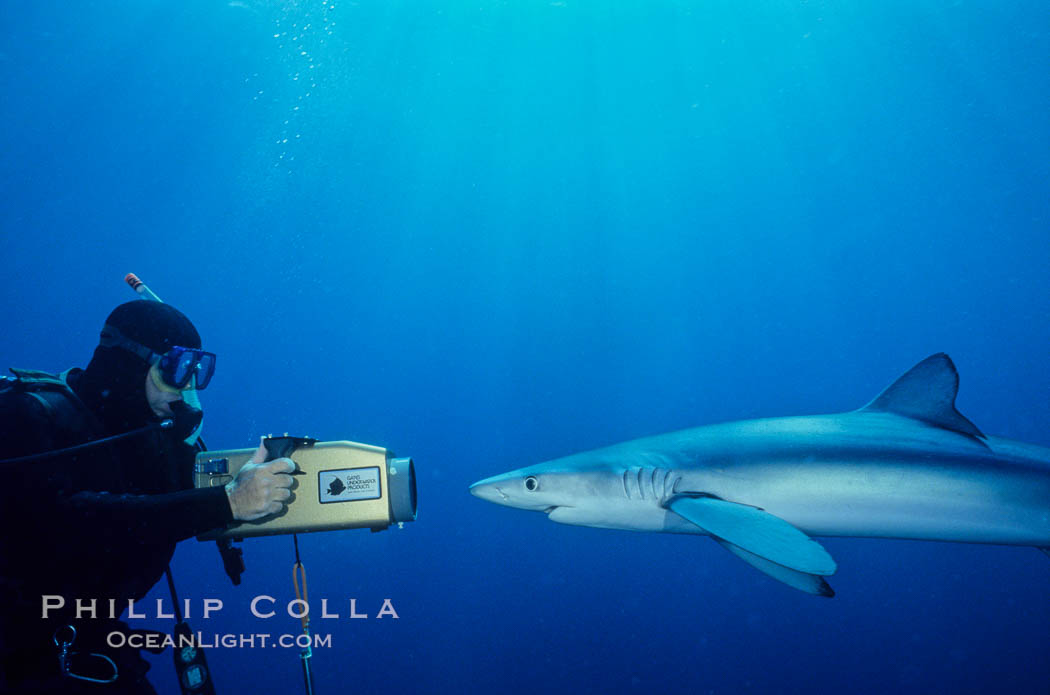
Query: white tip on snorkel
(140, 287)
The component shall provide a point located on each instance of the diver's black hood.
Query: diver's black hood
(113, 385)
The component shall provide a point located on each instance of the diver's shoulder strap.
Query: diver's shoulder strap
(51, 391)
(33, 378)
(32, 382)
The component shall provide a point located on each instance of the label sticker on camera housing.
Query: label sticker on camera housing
(349, 485)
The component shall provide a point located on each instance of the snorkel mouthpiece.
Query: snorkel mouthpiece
(189, 420)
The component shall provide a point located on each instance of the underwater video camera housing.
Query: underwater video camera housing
(338, 485)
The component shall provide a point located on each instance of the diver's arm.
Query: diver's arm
(173, 516)
(260, 489)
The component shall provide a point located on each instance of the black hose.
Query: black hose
(162, 425)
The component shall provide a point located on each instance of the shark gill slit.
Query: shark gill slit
(663, 483)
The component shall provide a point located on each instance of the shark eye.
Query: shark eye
(531, 483)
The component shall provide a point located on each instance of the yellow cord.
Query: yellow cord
(298, 571)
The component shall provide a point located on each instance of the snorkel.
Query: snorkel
(187, 412)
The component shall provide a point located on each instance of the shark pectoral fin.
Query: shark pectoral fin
(757, 532)
(803, 581)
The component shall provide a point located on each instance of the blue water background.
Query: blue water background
(488, 234)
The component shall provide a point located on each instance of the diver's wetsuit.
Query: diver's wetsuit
(99, 524)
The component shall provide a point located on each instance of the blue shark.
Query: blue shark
(907, 465)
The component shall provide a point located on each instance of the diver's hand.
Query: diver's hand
(260, 489)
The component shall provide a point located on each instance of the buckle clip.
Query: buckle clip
(69, 635)
(212, 466)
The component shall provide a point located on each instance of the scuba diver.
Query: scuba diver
(99, 463)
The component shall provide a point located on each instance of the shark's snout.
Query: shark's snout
(516, 489)
(489, 490)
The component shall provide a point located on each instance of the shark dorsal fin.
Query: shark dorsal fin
(927, 392)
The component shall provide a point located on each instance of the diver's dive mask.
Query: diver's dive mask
(177, 367)
(183, 370)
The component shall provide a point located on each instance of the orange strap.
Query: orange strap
(299, 581)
